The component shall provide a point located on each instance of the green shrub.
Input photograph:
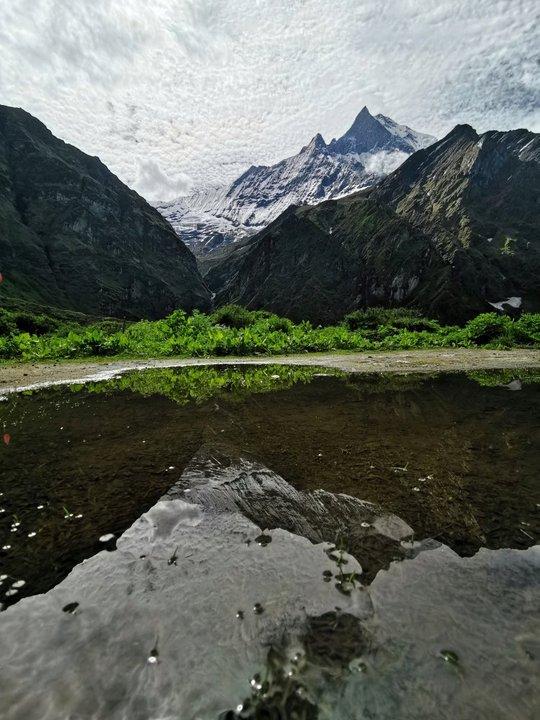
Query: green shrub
(487, 328)
(8, 325)
(281, 324)
(527, 329)
(200, 335)
(234, 316)
(35, 324)
(176, 320)
(373, 318)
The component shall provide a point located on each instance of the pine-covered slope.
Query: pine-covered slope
(453, 231)
(72, 235)
(372, 147)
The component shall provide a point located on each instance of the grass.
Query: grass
(233, 330)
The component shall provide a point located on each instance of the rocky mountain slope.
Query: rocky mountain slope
(73, 236)
(454, 231)
(372, 147)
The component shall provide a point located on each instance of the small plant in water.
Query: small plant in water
(345, 582)
(279, 695)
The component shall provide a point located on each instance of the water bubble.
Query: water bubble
(365, 524)
(416, 488)
(32, 534)
(40, 507)
(152, 659)
(2, 510)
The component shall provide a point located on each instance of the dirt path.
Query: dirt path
(31, 375)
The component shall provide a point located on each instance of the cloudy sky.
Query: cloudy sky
(172, 94)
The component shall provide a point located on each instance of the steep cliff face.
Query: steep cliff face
(453, 231)
(73, 235)
(372, 147)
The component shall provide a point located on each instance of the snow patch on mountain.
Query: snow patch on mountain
(372, 147)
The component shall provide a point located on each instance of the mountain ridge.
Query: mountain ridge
(319, 171)
(73, 236)
(453, 231)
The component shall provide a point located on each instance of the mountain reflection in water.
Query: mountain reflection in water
(304, 555)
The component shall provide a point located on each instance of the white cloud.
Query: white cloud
(383, 162)
(180, 92)
(152, 183)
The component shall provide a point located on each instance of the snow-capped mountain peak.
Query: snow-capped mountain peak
(316, 144)
(371, 148)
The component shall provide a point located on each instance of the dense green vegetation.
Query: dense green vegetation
(234, 330)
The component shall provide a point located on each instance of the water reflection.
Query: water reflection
(270, 542)
(454, 457)
(238, 629)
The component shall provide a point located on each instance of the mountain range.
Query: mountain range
(73, 236)
(216, 216)
(454, 231)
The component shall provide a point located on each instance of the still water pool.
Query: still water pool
(271, 542)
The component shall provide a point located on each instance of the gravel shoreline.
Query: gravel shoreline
(24, 376)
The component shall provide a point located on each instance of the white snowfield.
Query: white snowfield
(373, 147)
(513, 301)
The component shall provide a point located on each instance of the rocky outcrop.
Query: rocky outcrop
(72, 235)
